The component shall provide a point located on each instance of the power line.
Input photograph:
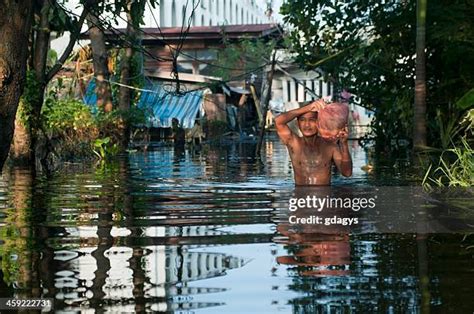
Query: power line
(166, 43)
(141, 49)
(117, 31)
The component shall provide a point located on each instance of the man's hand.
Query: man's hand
(343, 135)
(317, 105)
(342, 157)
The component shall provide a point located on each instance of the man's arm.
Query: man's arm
(341, 156)
(281, 122)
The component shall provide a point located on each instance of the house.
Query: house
(178, 63)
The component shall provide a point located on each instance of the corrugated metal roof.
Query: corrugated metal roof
(161, 105)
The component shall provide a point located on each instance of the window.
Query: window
(202, 20)
(236, 14)
(183, 16)
(193, 17)
(225, 10)
(162, 9)
(242, 16)
(173, 14)
(188, 62)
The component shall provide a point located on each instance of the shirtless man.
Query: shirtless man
(313, 154)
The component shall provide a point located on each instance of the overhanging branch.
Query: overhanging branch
(72, 41)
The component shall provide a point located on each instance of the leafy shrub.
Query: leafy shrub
(70, 123)
(455, 166)
(67, 117)
(103, 148)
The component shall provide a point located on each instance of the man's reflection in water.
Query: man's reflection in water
(317, 249)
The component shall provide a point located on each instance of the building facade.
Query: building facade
(175, 13)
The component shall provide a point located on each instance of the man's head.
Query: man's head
(332, 119)
(307, 123)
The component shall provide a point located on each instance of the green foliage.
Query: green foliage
(455, 165)
(111, 123)
(104, 148)
(136, 80)
(52, 58)
(77, 133)
(245, 55)
(368, 48)
(455, 168)
(68, 117)
(29, 97)
(60, 21)
(466, 101)
(8, 251)
(71, 126)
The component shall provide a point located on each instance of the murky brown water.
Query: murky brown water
(205, 231)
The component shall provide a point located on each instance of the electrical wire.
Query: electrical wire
(141, 49)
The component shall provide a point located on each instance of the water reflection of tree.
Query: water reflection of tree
(104, 243)
(26, 259)
(139, 277)
(134, 215)
(18, 260)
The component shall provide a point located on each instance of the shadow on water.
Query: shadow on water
(208, 229)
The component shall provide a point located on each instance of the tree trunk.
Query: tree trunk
(266, 95)
(15, 24)
(100, 62)
(20, 150)
(125, 65)
(25, 143)
(419, 130)
(125, 98)
(40, 56)
(125, 92)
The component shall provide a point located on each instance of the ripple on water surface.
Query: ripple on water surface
(205, 229)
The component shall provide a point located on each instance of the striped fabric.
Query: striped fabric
(161, 106)
(164, 106)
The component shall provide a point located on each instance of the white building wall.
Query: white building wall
(169, 13)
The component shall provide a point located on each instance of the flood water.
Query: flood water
(205, 230)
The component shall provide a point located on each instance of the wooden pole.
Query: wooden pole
(265, 101)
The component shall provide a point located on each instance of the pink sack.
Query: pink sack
(332, 118)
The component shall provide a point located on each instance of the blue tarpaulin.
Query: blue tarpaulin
(162, 105)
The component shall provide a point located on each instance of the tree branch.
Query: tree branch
(72, 41)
